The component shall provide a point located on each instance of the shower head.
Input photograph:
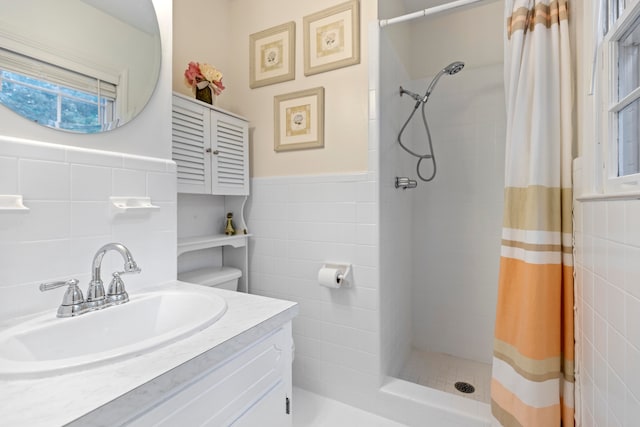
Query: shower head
(454, 68)
(451, 69)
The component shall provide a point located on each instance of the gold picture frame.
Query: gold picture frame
(272, 55)
(299, 120)
(332, 38)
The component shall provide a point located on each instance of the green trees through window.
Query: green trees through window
(54, 105)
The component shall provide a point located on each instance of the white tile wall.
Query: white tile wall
(67, 191)
(457, 218)
(396, 213)
(299, 223)
(608, 312)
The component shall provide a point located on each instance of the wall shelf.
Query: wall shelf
(189, 244)
(12, 203)
(132, 204)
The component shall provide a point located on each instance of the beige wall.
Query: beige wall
(201, 34)
(218, 32)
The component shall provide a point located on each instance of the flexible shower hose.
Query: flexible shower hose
(420, 157)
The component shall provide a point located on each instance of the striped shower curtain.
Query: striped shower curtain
(533, 380)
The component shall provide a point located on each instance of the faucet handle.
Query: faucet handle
(54, 285)
(116, 293)
(73, 300)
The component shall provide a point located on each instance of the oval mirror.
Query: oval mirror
(83, 66)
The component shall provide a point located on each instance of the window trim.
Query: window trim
(610, 106)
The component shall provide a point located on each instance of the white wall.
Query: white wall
(396, 213)
(147, 135)
(299, 223)
(473, 35)
(608, 302)
(67, 189)
(607, 259)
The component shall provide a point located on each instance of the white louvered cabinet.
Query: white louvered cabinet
(210, 147)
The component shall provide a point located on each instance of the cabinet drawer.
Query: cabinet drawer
(221, 395)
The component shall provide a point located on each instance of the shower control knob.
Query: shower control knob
(404, 183)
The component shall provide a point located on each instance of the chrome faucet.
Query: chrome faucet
(73, 303)
(116, 294)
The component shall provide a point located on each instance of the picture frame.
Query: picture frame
(332, 38)
(299, 120)
(272, 55)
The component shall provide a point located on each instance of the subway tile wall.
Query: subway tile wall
(458, 216)
(607, 242)
(67, 190)
(298, 224)
(396, 212)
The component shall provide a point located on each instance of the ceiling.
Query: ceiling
(415, 5)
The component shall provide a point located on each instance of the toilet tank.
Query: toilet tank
(217, 277)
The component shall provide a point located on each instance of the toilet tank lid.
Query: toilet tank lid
(210, 275)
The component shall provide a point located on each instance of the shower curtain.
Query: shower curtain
(533, 382)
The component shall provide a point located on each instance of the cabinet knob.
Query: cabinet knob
(216, 152)
(207, 150)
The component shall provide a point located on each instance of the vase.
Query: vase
(204, 95)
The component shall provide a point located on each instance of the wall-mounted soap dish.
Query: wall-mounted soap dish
(12, 203)
(120, 205)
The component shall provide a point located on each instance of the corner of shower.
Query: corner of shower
(412, 367)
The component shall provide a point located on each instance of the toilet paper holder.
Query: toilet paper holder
(344, 273)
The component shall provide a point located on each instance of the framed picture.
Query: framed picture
(299, 120)
(272, 55)
(332, 38)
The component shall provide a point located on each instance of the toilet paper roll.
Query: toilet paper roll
(329, 277)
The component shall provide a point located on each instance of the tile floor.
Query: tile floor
(441, 371)
(312, 410)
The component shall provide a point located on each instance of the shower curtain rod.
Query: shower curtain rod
(430, 11)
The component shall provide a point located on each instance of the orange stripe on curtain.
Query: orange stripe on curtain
(535, 333)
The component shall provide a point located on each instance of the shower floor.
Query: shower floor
(441, 371)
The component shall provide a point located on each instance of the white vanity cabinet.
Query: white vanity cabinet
(235, 372)
(210, 147)
(249, 389)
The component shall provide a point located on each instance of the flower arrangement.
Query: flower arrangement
(200, 76)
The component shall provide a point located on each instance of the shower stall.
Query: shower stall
(440, 241)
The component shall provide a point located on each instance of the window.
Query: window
(54, 96)
(619, 89)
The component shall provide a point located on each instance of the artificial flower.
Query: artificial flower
(202, 75)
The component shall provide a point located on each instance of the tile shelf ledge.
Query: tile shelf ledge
(188, 244)
(132, 204)
(12, 203)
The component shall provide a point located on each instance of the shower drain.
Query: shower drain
(464, 387)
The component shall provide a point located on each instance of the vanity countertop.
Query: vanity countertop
(102, 396)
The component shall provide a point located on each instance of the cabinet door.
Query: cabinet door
(270, 411)
(230, 160)
(191, 138)
(254, 383)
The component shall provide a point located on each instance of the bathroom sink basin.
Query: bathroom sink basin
(47, 345)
